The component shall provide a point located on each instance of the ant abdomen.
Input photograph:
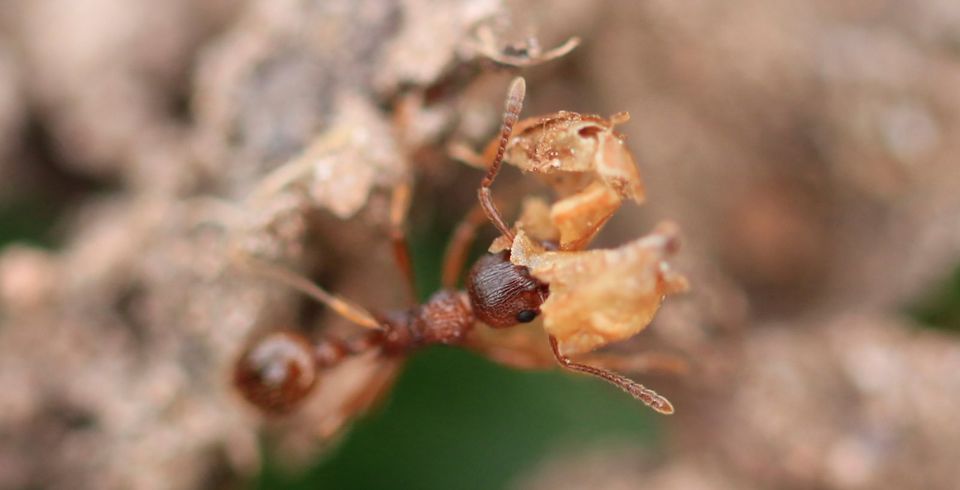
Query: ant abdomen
(277, 371)
(504, 294)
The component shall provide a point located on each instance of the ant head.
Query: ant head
(276, 371)
(503, 294)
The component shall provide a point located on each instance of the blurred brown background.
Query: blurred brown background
(808, 150)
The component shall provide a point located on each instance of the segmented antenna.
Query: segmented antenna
(511, 113)
(649, 397)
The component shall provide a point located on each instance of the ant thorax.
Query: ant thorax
(446, 318)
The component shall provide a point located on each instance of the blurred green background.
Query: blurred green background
(455, 420)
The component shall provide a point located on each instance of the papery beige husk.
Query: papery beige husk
(585, 161)
(598, 297)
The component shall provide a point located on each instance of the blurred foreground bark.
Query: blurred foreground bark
(116, 348)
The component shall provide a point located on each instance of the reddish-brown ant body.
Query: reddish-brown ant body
(280, 369)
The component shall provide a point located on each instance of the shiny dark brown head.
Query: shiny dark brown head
(276, 372)
(504, 294)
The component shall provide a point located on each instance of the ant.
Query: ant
(277, 371)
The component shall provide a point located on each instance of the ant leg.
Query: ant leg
(357, 397)
(510, 115)
(346, 309)
(649, 397)
(455, 256)
(460, 151)
(399, 206)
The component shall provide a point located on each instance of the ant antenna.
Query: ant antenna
(344, 308)
(649, 397)
(511, 113)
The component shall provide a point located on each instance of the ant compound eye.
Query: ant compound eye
(526, 316)
(276, 372)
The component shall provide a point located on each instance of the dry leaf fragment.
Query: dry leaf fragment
(580, 217)
(536, 222)
(562, 145)
(602, 296)
(585, 161)
(570, 223)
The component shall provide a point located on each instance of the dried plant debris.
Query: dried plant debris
(584, 159)
(339, 168)
(428, 40)
(561, 145)
(588, 298)
(524, 54)
(598, 297)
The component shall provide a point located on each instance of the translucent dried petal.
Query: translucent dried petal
(580, 217)
(614, 163)
(525, 54)
(587, 164)
(573, 150)
(602, 296)
(572, 222)
(536, 220)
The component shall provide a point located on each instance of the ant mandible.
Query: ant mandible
(278, 371)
